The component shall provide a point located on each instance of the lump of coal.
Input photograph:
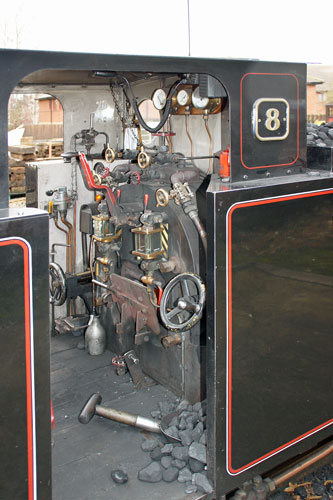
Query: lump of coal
(167, 449)
(180, 464)
(119, 476)
(182, 424)
(174, 422)
(186, 437)
(183, 405)
(184, 475)
(197, 407)
(180, 452)
(203, 439)
(151, 474)
(195, 465)
(170, 474)
(149, 444)
(172, 431)
(198, 451)
(197, 432)
(201, 481)
(156, 454)
(166, 461)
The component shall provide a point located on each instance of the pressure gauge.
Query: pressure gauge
(198, 101)
(159, 98)
(183, 98)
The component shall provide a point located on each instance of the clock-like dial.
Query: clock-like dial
(159, 99)
(183, 98)
(198, 101)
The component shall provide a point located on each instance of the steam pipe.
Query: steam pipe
(199, 227)
(92, 274)
(84, 251)
(210, 143)
(69, 241)
(74, 236)
(260, 489)
(188, 133)
(303, 464)
(67, 247)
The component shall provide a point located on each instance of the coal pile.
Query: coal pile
(319, 135)
(185, 460)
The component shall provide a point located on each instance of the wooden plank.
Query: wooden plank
(24, 149)
(23, 157)
(16, 190)
(17, 170)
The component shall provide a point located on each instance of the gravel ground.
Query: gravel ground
(317, 485)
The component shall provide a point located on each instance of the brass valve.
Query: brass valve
(143, 159)
(109, 154)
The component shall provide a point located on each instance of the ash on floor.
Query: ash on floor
(84, 455)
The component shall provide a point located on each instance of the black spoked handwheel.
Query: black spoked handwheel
(182, 302)
(58, 287)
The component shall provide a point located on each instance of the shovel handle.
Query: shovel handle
(93, 407)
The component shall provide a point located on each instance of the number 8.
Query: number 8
(272, 123)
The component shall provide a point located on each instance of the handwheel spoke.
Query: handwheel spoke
(185, 288)
(171, 314)
(182, 302)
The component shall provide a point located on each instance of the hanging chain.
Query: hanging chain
(124, 116)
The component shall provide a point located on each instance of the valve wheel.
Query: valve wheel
(182, 302)
(143, 160)
(58, 286)
(109, 155)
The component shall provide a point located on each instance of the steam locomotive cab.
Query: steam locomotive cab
(197, 242)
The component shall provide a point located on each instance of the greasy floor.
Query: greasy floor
(84, 455)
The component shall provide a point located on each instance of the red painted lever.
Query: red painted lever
(146, 201)
(52, 417)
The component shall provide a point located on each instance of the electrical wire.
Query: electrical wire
(167, 108)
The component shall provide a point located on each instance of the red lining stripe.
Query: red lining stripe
(229, 333)
(28, 367)
(241, 120)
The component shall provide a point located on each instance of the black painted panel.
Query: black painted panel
(270, 290)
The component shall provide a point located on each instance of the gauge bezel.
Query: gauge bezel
(196, 97)
(188, 100)
(156, 101)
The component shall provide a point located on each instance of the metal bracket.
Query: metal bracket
(133, 365)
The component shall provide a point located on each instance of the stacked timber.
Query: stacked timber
(50, 149)
(16, 172)
(23, 152)
(19, 155)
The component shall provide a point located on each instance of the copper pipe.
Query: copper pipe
(66, 233)
(303, 464)
(69, 241)
(74, 237)
(170, 137)
(205, 117)
(188, 134)
(92, 273)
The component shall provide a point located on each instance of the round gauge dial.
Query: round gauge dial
(198, 101)
(159, 98)
(183, 97)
